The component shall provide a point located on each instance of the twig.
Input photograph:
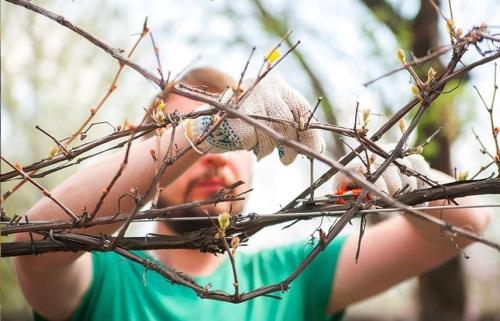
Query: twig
(112, 88)
(59, 145)
(91, 145)
(456, 189)
(415, 62)
(247, 220)
(313, 112)
(70, 241)
(311, 177)
(37, 226)
(482, 169)
(367, 185)
(167, 161)
(14, 188)
(45, 192)
(436, 88)
(242, 75)
(483, 149)
(21, 183)
(158, 61)
(68, 24)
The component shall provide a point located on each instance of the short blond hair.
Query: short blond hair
(212, 80)
(204, 78)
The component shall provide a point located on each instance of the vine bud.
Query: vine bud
(402, 125)
(54, 151)
(224, 220)
(366, 117)
(431, 74)
(400, 53)
(272, 56)
(462, 176)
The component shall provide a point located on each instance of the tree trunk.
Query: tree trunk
(441, 292)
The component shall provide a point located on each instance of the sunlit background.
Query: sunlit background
(51, 77)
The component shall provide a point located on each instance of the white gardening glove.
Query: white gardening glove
(391, 182)
(272, 97)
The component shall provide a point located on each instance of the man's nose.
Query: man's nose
(214, 160)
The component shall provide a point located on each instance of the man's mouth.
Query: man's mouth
(210, 185)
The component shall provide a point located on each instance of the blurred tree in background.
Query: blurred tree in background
(441, 291)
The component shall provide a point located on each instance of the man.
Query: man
(104, 286)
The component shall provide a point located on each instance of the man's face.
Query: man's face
(206, 177)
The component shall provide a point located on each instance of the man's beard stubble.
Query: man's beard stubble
(181, 227)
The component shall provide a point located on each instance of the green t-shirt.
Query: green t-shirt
(124, 290)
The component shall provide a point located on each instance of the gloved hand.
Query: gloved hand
(272, 97)
(391, 182)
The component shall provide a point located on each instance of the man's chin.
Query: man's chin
(181, 227)
(212, 210)
(215, 210)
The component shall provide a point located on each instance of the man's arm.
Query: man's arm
(398, 249)
(54, 283)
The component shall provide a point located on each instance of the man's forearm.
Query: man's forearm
(474, 219)
(83, 189)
